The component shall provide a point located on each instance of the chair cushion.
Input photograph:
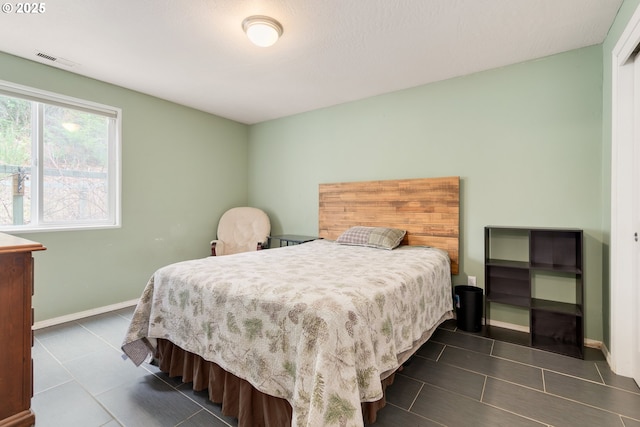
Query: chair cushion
(242, 228)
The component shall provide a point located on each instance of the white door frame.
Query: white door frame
(624, 293)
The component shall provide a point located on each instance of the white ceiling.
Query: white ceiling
(194, 52)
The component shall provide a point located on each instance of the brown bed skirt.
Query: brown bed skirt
(238, 398)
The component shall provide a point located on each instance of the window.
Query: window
(59, 162)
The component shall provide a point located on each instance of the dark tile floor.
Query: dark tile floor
(456, 379)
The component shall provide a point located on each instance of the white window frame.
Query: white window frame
(114, 162)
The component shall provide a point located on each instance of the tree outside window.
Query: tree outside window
(58, 164)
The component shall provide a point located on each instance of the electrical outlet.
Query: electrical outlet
(472, 280)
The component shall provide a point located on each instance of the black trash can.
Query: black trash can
(468, 304)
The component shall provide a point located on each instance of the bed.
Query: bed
(309, 335)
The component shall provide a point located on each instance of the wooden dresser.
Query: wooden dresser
(16, 335)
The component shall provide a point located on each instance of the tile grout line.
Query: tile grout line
(590, 406)
(542, 370)
(599, 373)
(201, 410)
(181, 391)
(555, 396)
(558, 396)
(175, 388)
(75, 380)
(487, 404)
(422, 383)
(79, 384)
(539, 367)
(440, 354)
(515, 413)
(593, 382)
(416, 414)
(417, 394)
(484, 387)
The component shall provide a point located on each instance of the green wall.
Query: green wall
(181, 169)
(530, 142)
(526, 141)
(624, 14)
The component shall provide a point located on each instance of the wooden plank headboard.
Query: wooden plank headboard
(428, 208)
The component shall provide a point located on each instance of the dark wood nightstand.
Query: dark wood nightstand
(291, 239)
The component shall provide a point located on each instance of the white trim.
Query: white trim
(588, 342)
(622, 212)
(76, 227)
(607, 354)
(83, 314)
(511, 326)
(114, 167)
(39, 95)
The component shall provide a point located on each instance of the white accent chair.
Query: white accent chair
(241, 229)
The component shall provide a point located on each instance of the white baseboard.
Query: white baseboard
(81, 315)
(511, 326)
(587, 341)
(594, 344)
(607, 355)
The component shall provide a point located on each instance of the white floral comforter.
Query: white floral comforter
(317, 324)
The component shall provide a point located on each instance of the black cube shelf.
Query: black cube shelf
(555, 326)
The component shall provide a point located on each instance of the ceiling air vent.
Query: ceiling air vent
(57, 60)
(45, 56)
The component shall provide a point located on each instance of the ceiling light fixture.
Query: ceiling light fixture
(262, 30)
